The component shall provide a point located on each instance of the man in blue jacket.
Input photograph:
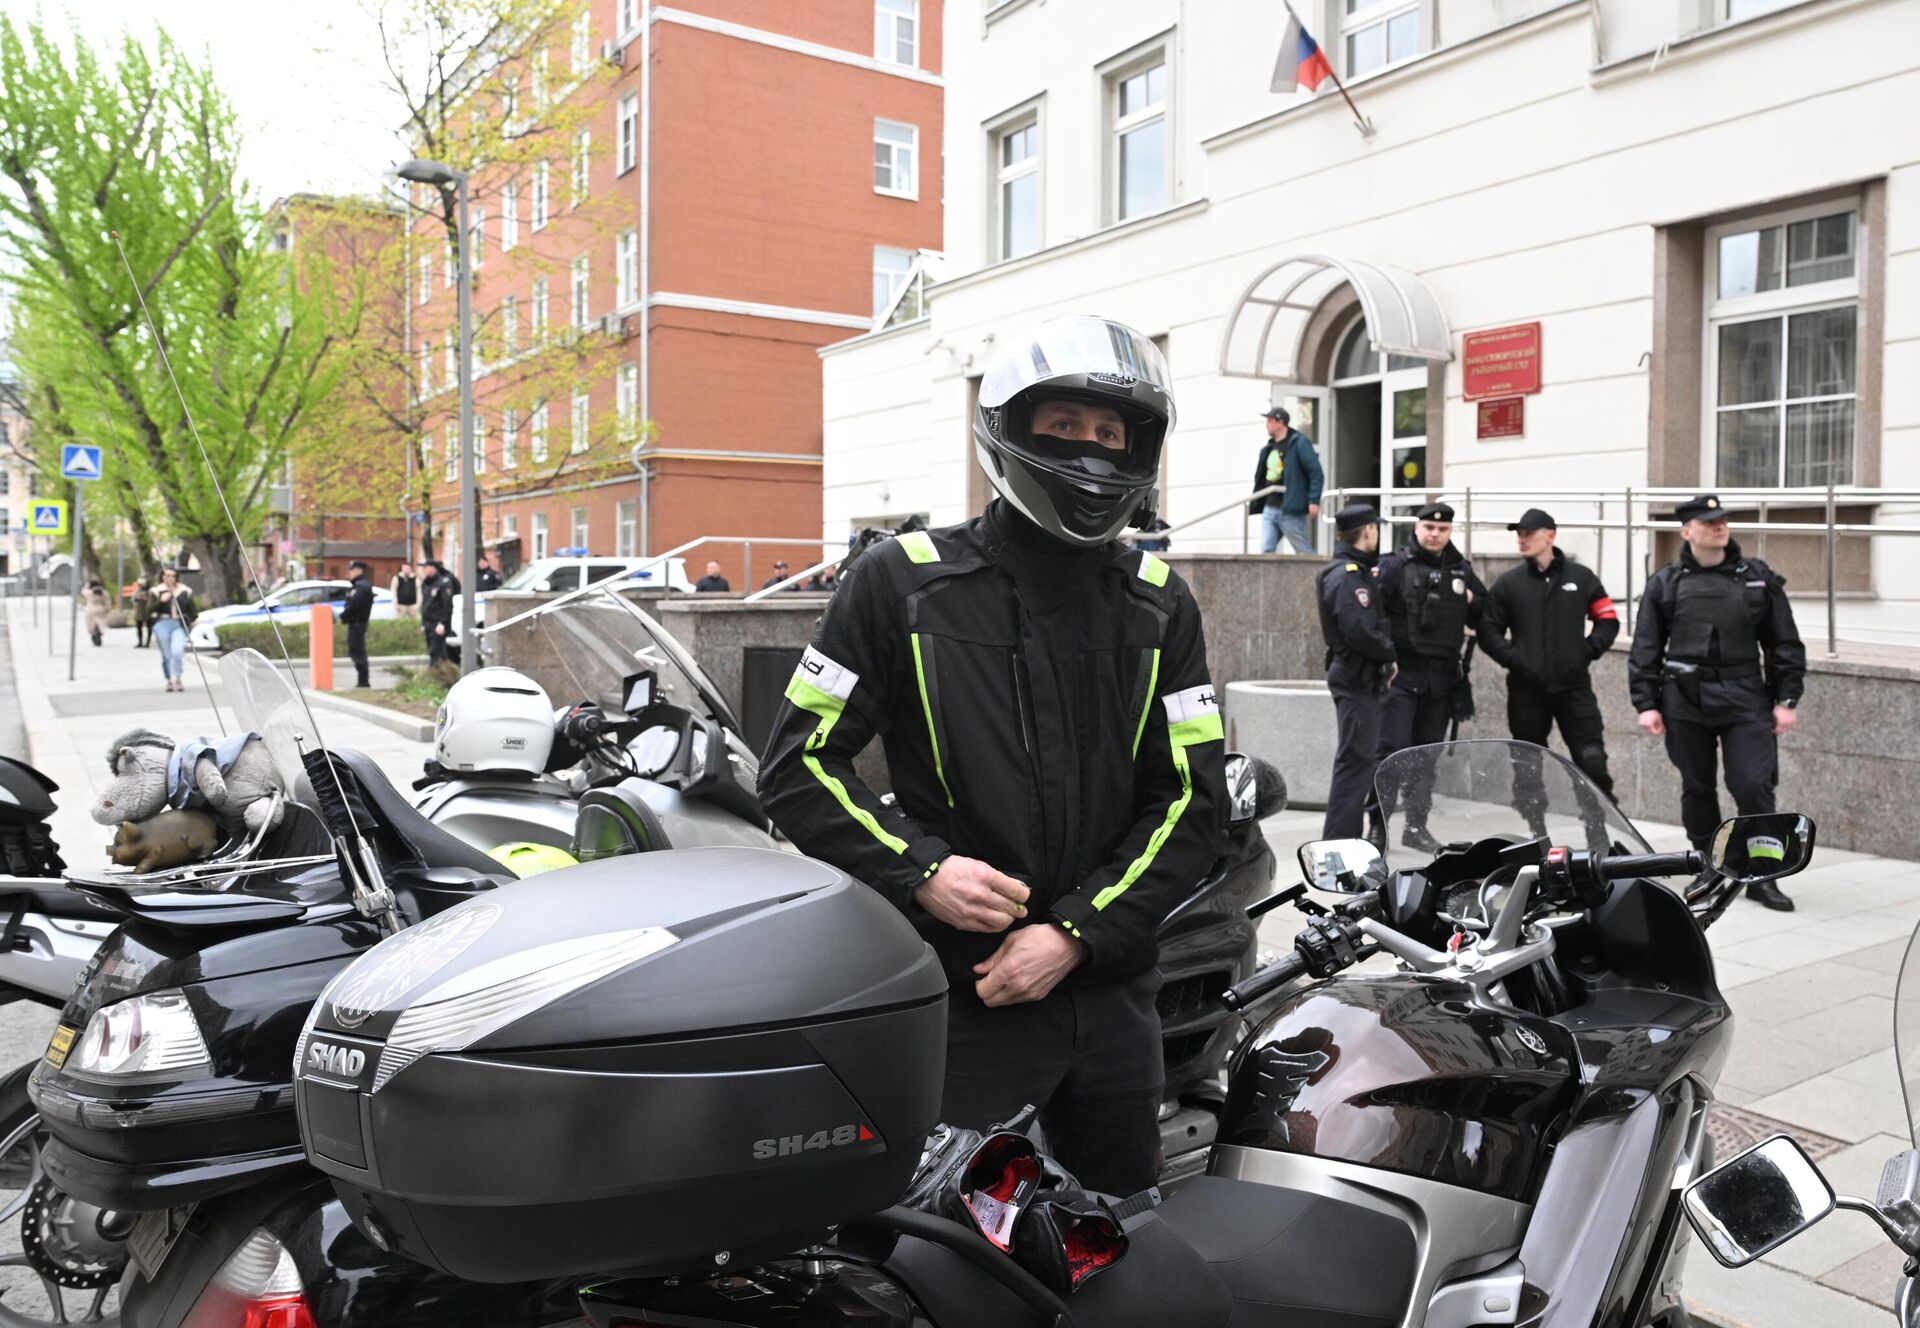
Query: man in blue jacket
(1289, 459)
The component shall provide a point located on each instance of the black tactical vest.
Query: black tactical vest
(1714, 613)
(1434, 600)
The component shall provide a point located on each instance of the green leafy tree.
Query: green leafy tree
(141, 144)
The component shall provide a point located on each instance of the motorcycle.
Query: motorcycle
(1495, 1130)
(1762, 1198)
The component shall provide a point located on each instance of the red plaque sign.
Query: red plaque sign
(1503, 417)
(1501, 361)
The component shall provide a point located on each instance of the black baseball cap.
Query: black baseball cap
(1706, 507)
(1356, 515)
(357, 563)
(1277, 413)
(1434, 512)
(1533, 519)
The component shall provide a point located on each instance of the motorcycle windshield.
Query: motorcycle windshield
(1906, 1033)
(596, 641)
(1463, 792)
(265, 699)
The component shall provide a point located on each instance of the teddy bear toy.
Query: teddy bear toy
(234, 779)
(171, 838)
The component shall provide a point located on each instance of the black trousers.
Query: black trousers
(357, 651)
(1752, 757)
(436, 643)
(1088, 1057)
(1414, 713)
(1356, 712)
(1531, 715)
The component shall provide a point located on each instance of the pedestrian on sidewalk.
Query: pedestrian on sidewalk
(95, 600)
(174, 616)
(1717, 670)
(406, 592)
(142, 614)
(358, 609)
(1288, 459)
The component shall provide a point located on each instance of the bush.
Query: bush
(385, 636)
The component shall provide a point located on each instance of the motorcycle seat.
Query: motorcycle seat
(1217, 1254)
(435, 846)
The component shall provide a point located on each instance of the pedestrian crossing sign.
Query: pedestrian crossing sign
(78, 461)
(47, 516)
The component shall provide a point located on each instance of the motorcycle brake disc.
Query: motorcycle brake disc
(60, 1248)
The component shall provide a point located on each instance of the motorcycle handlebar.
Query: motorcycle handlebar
(1688, 863)
(1244, 994)
(583, 724)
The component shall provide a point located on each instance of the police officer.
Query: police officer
(1536, 628)
(1360, 664)
(357, 611)
(1707, 622)
(1431, 596)
(1054, 745)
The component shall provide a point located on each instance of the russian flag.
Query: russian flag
(1302, 64)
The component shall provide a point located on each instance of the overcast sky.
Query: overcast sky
(304, 80)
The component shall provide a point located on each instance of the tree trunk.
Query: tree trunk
(224, 579)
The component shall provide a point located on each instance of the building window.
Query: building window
(539, 534)
(426, 277)
(626, 529)
(540, 67)
(450, 469)
(537, 331)
(509, 327)
(580, 530)
(1783, 322)
(1376, 33)
(626, 267)
(479, 443)
(896, 31)
(629, 132)
(446, 262)
(509, 215)
(1739, 9)
(582, 51)
(582, 164)
(896, 148)
(542, 182)
(426, 367)
(477, 237)
(1017, 198)
(577, 424)
(890, 268)
(450, 348)
(510, 98)
(629, 16)
(537, 434)
(509, 439)
(580, 292)
(1137, 110)
(627, 398)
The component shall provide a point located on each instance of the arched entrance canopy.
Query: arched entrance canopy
(1264, 333)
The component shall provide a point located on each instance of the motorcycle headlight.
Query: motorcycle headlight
(153, 1035)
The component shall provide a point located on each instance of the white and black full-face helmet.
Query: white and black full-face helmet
(1078, 491)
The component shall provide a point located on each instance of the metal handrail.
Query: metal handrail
(1208, 516)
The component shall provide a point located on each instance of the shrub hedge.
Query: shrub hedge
(385, 636)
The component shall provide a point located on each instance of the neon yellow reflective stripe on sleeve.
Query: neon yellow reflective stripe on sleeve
(919, 547)
(828, 708)
(926, 708)
(1193, 718)
(1146, 707)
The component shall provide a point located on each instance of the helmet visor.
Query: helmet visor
(1068, 346)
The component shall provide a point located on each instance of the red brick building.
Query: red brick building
(757, 177)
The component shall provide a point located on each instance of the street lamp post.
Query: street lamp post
(435, 173)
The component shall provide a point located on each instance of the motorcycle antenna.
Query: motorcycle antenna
(371, 894)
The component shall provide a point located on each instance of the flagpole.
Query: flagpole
(1360, 122)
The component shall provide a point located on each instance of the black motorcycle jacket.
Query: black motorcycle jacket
(1428, 605)
(1352, 618)
(1044, 709)
(1535, 624)
(1722, 624)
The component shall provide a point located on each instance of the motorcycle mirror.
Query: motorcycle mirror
(638, 691)
(1749, 849)
(1759, 1200)
(1255, 789)
(1345, 866)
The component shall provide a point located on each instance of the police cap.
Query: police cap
(1355, 516)
(1706, 507)
(1533, 519)
(1434, 512)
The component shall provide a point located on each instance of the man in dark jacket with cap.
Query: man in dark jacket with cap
(1360, 664)
(1717, 670)
(436, 608)
(1536, 628)
(1288, 459)
(1431, 597)
(355, 614)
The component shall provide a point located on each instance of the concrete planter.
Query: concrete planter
(1290, 724)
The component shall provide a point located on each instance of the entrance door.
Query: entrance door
(1403, 425)
(1306, 408)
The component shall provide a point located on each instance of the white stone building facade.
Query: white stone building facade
(1710, 208)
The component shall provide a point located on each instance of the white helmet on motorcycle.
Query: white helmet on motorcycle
(494, 721)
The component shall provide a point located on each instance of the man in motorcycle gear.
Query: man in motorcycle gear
(1054, 745)
(1717, 670)
(1431, 597)
(1360, 664)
